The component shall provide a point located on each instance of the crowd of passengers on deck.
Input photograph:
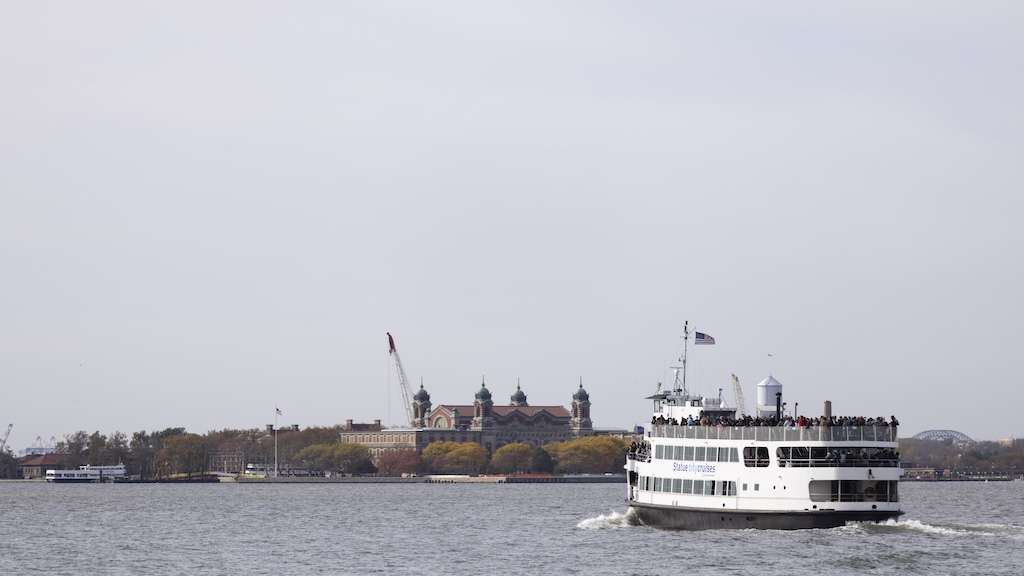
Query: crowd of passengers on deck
(800, 421)
(801, 456)
(639, 451)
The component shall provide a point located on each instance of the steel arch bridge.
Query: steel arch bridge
(943, 435)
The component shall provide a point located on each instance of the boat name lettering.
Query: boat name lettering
(699, 468)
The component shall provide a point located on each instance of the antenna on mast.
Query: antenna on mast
(686, 337)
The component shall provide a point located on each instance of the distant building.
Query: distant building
(35, 467)
(228, 457)
(482, 422)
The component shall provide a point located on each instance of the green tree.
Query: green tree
(593, 455)
(183, 454)
(542, 462)
(97, 450)
(466, 458)
(351, 458)
(72, 449)
(8, 464)
(339, 457)
(512, 459)
(436, 453)
(141, 455)
(316, 458)
(117, 449)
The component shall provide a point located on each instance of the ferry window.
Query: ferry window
(657, 484)
(699, 455)
(744, 486)
(709, 487)
(677, 485)
(712, 455)
(757, 487)
(698, 486)
(755, 456)
(659, 452)
(687, 486)
(678, 453)
(734, 455)
(688, 453)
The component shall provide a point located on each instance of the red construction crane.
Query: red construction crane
(403, 382)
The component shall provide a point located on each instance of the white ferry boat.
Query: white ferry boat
(700, 466)
(89, 473)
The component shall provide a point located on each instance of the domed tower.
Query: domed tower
(420, 407)
(518, 397)
(580, 422)
(482, 408)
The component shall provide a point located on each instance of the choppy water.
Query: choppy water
(949, 528)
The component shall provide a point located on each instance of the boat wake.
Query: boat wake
(610, 521)
(1003, 530)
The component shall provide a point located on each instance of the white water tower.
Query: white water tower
(766, 391)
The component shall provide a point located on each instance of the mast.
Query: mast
(686, 338)
(681, 386)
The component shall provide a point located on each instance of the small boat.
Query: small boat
(88, 473)
(701, 466)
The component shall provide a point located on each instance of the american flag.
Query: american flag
(279, 410)
(702, 338)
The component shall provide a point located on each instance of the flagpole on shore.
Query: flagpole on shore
(277, 412)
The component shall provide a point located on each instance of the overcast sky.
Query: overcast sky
(211, 209)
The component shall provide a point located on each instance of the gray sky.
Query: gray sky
(207, 211)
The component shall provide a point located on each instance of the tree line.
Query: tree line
(957, 456)
(319, 451)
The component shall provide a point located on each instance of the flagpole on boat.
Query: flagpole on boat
(686, 337)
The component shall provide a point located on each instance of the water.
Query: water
(143, 529)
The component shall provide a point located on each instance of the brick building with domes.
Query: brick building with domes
(482, 422)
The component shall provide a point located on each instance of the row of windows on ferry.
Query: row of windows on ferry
(696, 453)
(757, 456)
(689, 486)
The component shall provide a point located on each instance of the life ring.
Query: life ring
(869, 493)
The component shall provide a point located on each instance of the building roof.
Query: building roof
(466, 411)
(43, 460)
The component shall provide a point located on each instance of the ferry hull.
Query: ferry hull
(695, 519)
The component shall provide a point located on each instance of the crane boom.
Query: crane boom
(737, 391)
(403, 382)
(3, 441)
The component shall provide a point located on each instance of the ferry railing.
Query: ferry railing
(850, 463)
(777, 433)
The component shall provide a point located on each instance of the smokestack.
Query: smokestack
(828, 408)
(778, 405)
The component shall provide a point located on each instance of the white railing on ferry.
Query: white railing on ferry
(777, 433)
